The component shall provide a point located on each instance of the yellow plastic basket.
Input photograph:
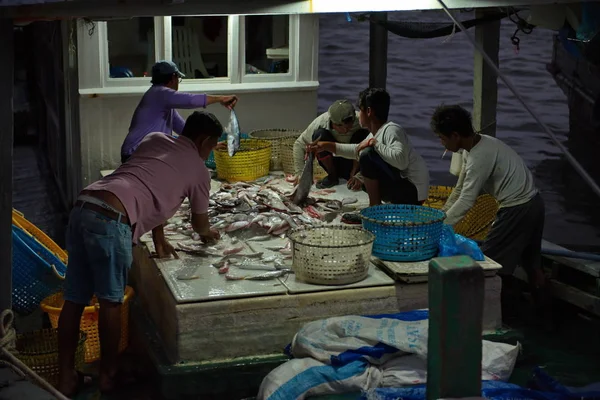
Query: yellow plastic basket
(252, 161)
(19, 220)
(477, 222)
(39, 351)
(89, 322)
(287, 160)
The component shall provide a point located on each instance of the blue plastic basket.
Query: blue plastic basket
(210, 162)
(36, 272)
(404, 232)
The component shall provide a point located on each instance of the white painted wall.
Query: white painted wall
(283, 101)
(105, 121)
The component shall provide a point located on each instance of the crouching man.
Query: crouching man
(113, 213)
(338, 125)
(390, 168)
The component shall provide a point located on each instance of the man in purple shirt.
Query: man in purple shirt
(157, 112)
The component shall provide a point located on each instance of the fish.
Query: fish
(188, 273)
(232, 250)
(224, 268)
(262, 277)
(334, 205)
(271, 258)
(305, 183)
(237, 225)
(194, 249)
(323, 192)
(233, 134)
(256, 267)
(349, 200)
(259, 238)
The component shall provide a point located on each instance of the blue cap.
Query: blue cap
(165, 67)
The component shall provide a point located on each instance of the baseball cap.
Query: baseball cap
(341, 110)
(165, 67)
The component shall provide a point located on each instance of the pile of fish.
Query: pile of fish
(248, 213)
(242, 205)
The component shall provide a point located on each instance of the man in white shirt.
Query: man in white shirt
(339, 124)
(490, 166)
(390, 168)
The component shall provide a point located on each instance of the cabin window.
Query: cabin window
(131, 50)
(216, 53)
(267, 44)
(199, 46)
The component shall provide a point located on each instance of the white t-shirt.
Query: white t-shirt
(490, 167)
(394, 147)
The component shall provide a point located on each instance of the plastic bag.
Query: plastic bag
(453, 244)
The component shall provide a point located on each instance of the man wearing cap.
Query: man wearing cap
(340, 125)
(157, 112)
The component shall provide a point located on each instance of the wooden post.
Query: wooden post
(485, 80)
(455, 324)
(378, 51)
(6, 161)
(71, 107)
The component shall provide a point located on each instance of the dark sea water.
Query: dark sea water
(425, 72)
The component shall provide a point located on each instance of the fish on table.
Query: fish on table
(261, 277)
(305, 182)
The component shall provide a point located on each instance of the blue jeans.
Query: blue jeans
(100, 255)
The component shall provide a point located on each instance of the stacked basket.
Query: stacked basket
(89, 322)
(477, 222)
(39, 351)
(36, 271)
(275, 137)
(287, 160)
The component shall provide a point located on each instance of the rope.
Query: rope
(8, 338)
(580, 170)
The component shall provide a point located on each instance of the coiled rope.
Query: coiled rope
(586, 177)
(8, 337)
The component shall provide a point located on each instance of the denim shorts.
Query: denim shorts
(100, 255)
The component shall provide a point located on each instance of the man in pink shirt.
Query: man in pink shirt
(115, 211)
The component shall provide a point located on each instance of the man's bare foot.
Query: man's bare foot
(73, 383)
(68, 384)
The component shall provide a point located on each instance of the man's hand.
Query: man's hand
(318, 147)
(165, 250)
(228, 101)
(365, 143)
(221, 146)
(293, 179)
(212, 236)
(354, 184)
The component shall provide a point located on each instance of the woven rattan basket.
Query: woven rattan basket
(252, 161)
(477, 222)
(404, 232)
(39, 351)
(275, 137)
(331, 255)
(89, 322)
(287, 160)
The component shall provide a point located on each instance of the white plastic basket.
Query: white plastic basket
(331, 255)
